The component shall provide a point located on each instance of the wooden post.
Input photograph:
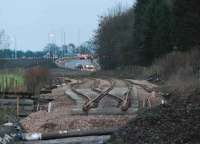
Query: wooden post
(17, 111)
(49, 107)
(17, 106)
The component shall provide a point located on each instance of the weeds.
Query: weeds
(11, 81)
(181, 73)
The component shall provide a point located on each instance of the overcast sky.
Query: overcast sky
(30, 21)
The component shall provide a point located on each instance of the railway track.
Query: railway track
(74, 89)
(127, 97)
(151, 95)
(124, 101)
(143, 86)
(97, 90)
(93, 103)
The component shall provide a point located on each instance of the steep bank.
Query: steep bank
(168, 124)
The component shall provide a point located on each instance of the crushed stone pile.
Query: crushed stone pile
(45, 122)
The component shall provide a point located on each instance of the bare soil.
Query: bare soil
(168, 124)
(63, 105)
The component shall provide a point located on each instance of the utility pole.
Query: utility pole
(64, 38)
(15, 48)
(14, 41)
(78, 36)
(64, 43)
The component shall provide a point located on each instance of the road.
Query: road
(71, 64)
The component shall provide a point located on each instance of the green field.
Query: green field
(11, 82)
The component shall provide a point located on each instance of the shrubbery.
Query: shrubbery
(36, 78)
(181, 73)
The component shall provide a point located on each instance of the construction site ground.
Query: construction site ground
(91, 103)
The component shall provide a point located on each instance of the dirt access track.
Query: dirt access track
(92, 103)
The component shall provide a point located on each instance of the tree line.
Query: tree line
(9, 54)
(147, 31)
(50, 50)
(69, 49)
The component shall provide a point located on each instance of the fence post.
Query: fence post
(17, 106)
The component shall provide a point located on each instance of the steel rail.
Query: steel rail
(146, 88)
(95, 89)
(127, 101)
(94, 102)
(74, 89)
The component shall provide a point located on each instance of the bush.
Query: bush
(36, 78)
(181, 73)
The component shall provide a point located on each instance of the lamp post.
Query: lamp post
(14, 41)
(51, 38)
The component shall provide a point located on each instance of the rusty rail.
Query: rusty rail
(127, 102)
(124, 102)
(95, 89)
(94, 102)
(74, 89)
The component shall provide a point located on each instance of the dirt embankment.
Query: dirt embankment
(168, 124)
